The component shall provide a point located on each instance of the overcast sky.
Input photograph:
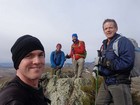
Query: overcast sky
(54, 21)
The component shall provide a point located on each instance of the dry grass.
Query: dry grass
(6, 75)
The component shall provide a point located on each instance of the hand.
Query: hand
(67, 56)
(94, 74)
(95, 69)
(59, 67)
(107, 63)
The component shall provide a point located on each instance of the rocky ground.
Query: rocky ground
(80, 91)
(70, 91)
(135, 89)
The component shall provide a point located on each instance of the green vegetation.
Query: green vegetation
(135, 98)
(90, 89)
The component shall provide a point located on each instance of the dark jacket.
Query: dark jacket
(57, 58)
(19, 93)
(122, 64)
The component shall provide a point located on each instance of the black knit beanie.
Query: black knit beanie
(24, 45)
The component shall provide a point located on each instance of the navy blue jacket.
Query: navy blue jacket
(57, 59)
(122, 64)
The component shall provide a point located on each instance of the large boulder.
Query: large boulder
(81, 91)
(70, 91)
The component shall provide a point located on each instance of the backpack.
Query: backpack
(85, 52)
(135, 72)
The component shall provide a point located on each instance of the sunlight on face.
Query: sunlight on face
(109, 29)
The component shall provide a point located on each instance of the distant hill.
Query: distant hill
(88, 65)
(6, 65)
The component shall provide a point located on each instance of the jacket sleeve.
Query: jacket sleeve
(81, 48)
(62, 59)
(53, 65)
(125, 60)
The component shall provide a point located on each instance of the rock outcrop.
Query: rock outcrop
(70, 91)
(81, 91)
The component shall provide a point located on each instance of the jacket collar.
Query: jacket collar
(112, 40)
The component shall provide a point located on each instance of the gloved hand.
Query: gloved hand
(67, 56)
(107, 63)
(95, 69)
(58, 67)
(94, 74)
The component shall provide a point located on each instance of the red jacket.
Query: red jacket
(78, 50)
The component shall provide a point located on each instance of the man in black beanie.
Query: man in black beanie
(28, 56)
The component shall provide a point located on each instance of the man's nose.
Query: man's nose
(36, 60)
(108, 30)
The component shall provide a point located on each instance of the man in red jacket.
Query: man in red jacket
(78, 55)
